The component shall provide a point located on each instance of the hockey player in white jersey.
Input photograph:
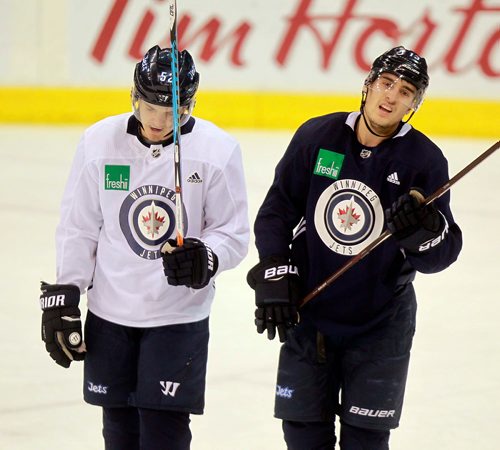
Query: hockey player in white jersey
(146, 330)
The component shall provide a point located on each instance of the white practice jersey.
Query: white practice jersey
(118, 209)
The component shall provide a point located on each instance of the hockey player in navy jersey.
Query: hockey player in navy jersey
(146, 330)
(344, 178)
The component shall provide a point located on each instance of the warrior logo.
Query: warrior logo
(147, 219)
(348, 216)
(169, 388)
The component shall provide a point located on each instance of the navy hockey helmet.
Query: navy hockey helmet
(406, 64)
(153, 77)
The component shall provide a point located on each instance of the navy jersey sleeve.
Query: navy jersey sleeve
(439, 253)
(285, 201)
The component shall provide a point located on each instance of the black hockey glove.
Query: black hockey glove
(277, 294)
(61, 323)
(191, 265)
(411, 223)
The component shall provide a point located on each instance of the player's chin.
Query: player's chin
(386, 119)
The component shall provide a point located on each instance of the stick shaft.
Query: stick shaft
(365, 251)
(179, 217)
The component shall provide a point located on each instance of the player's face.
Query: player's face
(157, 121)
(389, 98)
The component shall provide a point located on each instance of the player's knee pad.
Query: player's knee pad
(165, 429)
(354, 438)
(120, 428)
(309, 435)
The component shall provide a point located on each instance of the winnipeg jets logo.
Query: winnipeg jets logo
(153, 221)
(147, 219)
(348, 216)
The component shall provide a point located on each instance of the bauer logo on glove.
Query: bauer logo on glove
(276, 273)
(276, 285)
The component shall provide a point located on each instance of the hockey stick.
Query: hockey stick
(179, 218)
(365, 251)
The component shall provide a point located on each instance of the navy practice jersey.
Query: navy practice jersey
(329, 194)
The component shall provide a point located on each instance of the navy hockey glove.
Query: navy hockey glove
(411, 223)
(277, 294)
(61, 323)
(191, 265)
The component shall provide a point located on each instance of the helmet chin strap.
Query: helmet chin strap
(362, 110)
(373, 132)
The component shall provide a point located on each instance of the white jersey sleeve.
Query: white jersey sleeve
(225, 214)
(80, 223)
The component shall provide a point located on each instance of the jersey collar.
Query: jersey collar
(351, 122)
(133, 129)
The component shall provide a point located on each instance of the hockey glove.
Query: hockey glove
(61, 323)
(411, 223)
(191, 265)
(277, 294)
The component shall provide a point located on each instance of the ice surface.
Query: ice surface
(453, 390)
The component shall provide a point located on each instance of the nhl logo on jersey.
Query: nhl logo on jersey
(365, 153)
(348, 216)
(156, 151)
(147, 219)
